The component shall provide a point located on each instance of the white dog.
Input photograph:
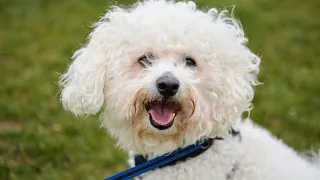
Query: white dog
(164, 74)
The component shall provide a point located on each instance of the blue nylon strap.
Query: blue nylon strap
(153, 164)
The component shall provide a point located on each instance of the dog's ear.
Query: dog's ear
(84, 82)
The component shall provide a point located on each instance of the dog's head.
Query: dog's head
(162, 74)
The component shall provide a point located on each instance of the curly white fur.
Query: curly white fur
(106, 76)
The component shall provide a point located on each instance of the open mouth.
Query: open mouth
(162, 113)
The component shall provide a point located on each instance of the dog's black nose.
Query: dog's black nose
(167, 86)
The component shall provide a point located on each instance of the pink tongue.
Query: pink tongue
(162, 115)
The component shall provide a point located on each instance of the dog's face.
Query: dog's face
(163, 75)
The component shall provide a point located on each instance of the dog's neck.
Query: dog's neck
(206, 143)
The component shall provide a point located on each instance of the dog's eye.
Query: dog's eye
(145, 60)
(190, 62)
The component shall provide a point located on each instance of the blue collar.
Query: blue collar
(143, 165)
(205, 144)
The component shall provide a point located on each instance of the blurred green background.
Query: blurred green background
(40, 141)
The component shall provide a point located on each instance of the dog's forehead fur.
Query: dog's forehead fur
(106, 74)
(167, 26)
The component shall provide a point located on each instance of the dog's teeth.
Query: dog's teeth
(173, 114)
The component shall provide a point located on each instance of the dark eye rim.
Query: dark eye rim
(144, 60)
(190, 62)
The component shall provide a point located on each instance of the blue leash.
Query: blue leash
(156, 162)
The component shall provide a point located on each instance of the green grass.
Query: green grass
(39, 140)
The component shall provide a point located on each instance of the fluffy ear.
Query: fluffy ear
(83, 85)
(84, 82)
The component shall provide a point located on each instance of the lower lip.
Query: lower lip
(160, 127)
